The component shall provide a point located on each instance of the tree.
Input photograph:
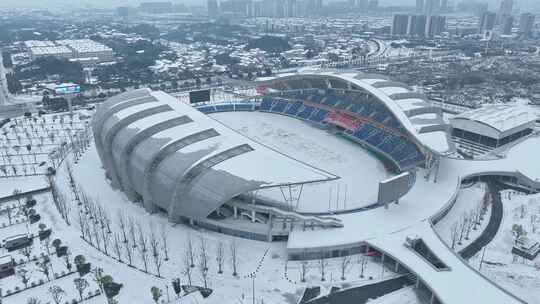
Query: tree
(362, 261)
(142, 247)
(33, 300)
(26, 251)
(186, 265)
(322, 266)
(129, 252)
(56, 293)
(518, 231)
(79, 260)
(44, 267)
(234, 258)
(98, 277)
(164, 235)
(156, 252)
(122, 225)
(203, 252)
(344, 265)
(303, 271)
(190, 251)
(80, 284)
(24, 274)
(156, 294)
(117, 246)
(220, 253)
(56, 243)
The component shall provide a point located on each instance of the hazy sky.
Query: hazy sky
(523, 4)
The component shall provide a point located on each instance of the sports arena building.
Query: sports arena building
(492, 126)
(175, 159)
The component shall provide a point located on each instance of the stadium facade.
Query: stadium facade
(175, 159)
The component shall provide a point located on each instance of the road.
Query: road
(493, 225)
(362, 294)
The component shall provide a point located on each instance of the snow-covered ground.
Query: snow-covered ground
(453, 223)
(519, 276)
(359, 171)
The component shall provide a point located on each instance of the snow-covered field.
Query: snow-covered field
(359, 171)
(518, 276)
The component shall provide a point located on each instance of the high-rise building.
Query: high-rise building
(432, 7)
(399, 25)
(487, 22)
(156, 7)
(417, 25)
(506, 7)
(507, 22)
(373, 4)
(212, 7)
(526, 23)
(444, 6)
(435, 25)
(419, 6)
(352, 3)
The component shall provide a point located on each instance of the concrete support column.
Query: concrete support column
(417, 284)
(235, 210)
(253, 214)
(432, 299)
(396, 268)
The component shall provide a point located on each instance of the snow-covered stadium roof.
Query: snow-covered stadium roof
(406, 105)
(496, 121)
(170, 154)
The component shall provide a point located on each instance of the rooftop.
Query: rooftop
(500, 116)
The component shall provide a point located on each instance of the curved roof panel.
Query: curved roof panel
(164, 149)
(384, 90)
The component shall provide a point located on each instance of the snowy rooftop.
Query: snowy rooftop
(501, 117)
(262, 164)
(384, 90)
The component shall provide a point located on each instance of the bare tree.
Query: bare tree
(123, 226)
(156, 252)
(164, 235)
(117, 247)
(234, 256)
(186, 265)
(33, 300)
(26, 251)
(303, 271)
(322, 266)
(24, 275)
(220, 256)
(56, 293)
(142, 246)
(362, 262)
(190, 251)
(344, 265)
(44, 267)
(81, 284)
(203, 252)
(132, 232)
(203, 269)
(129, 252)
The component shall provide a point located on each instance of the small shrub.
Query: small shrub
(17, 288)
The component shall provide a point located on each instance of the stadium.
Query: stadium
(194, 163)
(333, 163)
